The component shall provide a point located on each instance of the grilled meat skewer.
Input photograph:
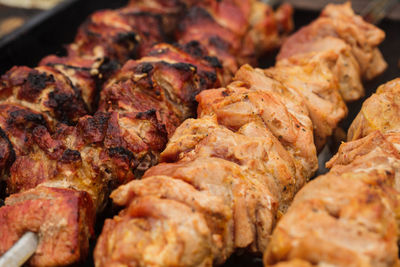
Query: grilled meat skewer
(356, 203)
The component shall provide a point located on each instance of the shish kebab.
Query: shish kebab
(227, 176)
(60, 164)
(350, 216)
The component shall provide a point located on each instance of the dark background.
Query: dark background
(48, 31)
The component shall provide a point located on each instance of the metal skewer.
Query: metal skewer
(377, 10)
(18, 254)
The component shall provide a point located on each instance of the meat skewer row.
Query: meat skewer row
(34, 102)
(65, 176)
(64, 89)
(350, 216)
(227, 176)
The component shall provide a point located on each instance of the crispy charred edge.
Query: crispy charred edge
(147, 14)
(33, 79)
(7, 158)
(63, 108)
(128, 40)
(195, 15)
(67, 106)
(106, 68)
(206, 78)
(170, 11)
(65, 111)
(136, 159)
(195, 49)
(151, 115)
(93, 128)
(111, 36)
(20, 117)
(150, 158)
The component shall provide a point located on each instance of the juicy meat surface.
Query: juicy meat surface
(312, 77)
(234, 31)
(356, 203)
(62, 218)
(165, 83)
(255, 97)
(339, 21)
(353, 205)
(379, 112)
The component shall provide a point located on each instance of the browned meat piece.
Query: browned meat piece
(146, 220)
(253, 147)
(61, 217)
(221, 42)
(334, 216)
(81, 157)
(7, 157)
(43, 90)
(61, 90)
(230, 201)
(106, 40)
(170, 11)
(262, 29)
(17, 124)
(117, 35)
(255, 23)
(83, 73)
(234, 31)
(357, 203)
(345, 68)
(147, 26)
(150, 97)
(312, 78)
(255, 97)
(367, 38)
(106, 33)
(165, 82)
(339, 21)
(379, 112)
(31, 98)
(268, 28)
